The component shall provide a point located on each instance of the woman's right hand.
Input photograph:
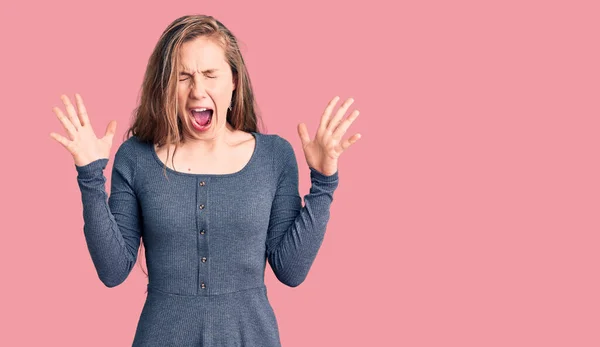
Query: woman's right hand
(82, 143)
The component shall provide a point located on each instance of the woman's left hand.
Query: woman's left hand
(323, 152)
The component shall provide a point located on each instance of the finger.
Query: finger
(61, 139)
(333, 123)
(349, 142)
(66, 123)
(111, 129)
(303, 133)
(327, 114)
(344, 125)
(83, 116)
(71, 111)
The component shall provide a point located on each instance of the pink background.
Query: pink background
(467, 215)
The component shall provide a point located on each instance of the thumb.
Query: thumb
(303, 133)
(111, 129)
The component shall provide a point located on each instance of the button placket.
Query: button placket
(202, 199)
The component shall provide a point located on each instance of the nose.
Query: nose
(197, 91)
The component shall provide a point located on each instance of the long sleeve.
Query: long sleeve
(112, 229)
(296, 233)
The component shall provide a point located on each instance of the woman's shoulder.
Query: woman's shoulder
(274, 140)
(276, 145)
(129, 150)
(132, 143)
(280, 151)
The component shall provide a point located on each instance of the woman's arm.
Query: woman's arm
(295, 233)
(112, 229)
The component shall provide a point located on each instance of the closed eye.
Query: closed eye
(185, 79)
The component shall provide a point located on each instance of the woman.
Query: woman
(212, 216)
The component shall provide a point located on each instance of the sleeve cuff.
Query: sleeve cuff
(321, 177)
(99, 164)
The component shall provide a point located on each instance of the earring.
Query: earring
(229, 107)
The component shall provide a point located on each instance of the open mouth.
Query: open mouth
(201, 118)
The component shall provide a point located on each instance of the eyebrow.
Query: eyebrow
(187, 71)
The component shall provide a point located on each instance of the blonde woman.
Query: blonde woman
(212, 198)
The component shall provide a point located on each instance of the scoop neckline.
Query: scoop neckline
(252, 159)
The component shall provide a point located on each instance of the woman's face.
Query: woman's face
(205, 81)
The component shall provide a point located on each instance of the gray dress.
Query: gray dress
(207, 237)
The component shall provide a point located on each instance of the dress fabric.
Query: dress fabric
(207, 239)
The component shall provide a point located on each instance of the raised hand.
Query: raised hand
(82, 143)
(322, 152)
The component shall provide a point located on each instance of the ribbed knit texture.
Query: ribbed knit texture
(207, 237)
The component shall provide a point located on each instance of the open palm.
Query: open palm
(322, 153)
(82, 142)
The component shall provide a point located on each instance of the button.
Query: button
(204, 259)
(202, 207)
(202, 183)
(202, 232)
(203, 286)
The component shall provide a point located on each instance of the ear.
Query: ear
(234, 80)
